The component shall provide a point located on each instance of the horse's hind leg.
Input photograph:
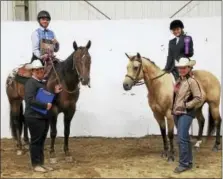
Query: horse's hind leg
(201, 120)
(25, 128)
(16, 124)
(67, 121)
(26, 138)
(170, 123)
(215, 114)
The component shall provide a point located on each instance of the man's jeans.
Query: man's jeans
(183, 123)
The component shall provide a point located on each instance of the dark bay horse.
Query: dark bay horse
(69, 73)
(160, 98)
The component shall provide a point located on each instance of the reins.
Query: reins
(59, 81)
(138, 83)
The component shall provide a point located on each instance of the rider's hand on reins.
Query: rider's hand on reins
(54, 41)
(45, 56)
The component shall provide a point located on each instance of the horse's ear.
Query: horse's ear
(127, 55)
(75, 45)
(138, 55)
(88, 44)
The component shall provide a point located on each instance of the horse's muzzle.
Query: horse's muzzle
(127, 86)
(85, 81)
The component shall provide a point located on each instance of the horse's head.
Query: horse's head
(134, 71)
(82, 62)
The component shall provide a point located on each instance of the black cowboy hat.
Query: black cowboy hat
(176, 24)
(43, 14)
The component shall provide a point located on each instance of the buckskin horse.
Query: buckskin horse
(160, 98)
(69, 73)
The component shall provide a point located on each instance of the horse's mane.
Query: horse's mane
(68, 62)
(151, 62)
(64, 66)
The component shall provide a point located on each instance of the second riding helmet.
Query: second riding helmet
(176, 24)
(43, 14)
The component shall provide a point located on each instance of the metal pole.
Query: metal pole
(97, 9)
(181, 9)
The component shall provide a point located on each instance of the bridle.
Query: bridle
(138, 83)
(135, 81)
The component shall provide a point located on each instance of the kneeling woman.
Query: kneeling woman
(187, 95)
(38, 123)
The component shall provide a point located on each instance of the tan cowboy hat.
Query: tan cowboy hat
(183, 62)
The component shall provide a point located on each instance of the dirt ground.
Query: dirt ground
(104, 157)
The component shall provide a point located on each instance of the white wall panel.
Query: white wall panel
(106, 109)
(201, 9)
(80, 10)
(7, 10)
(33, 10)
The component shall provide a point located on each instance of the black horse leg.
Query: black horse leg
(218, 135)
(53, 134)
(170, 124)
(25, 128)
(165, 143)
(160, 119)
(216, 118)
(26, 138)
(67, 121)
(171, 136)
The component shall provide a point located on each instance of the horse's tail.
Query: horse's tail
(211, 123)
(16, 122)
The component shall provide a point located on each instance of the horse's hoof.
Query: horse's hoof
(170, 159)
(19, 152)
(164, 154)
(196, 149)
(69, 159)
(26, 146)
(53, 160)
(215, 148)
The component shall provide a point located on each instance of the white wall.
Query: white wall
(106, 109)
(7, 11)
(116, 10)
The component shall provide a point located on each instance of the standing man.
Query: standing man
(44, 42)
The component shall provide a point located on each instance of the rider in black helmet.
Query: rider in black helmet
(180, 46)
(44, 41)
(43, 14)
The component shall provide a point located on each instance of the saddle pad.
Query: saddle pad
(21, 79)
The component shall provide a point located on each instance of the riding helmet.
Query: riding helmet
(43, 14)
(176, 24)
